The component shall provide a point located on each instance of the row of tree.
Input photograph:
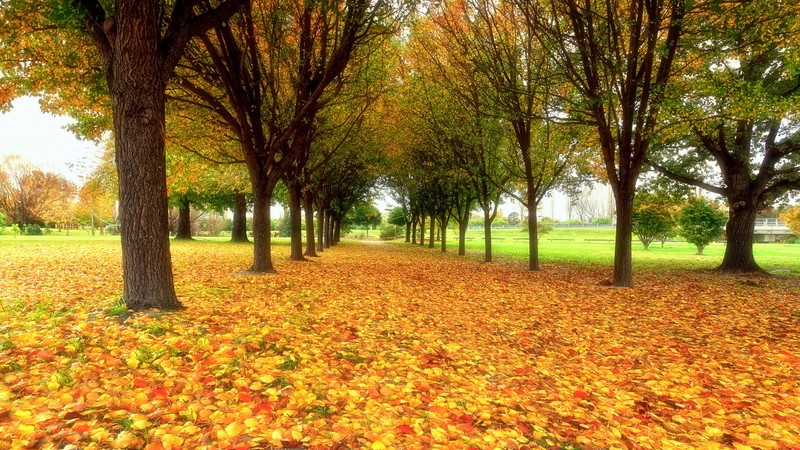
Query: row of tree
(452, 103)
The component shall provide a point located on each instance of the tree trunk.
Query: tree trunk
(487, 236)
(463, 225)
(414, 223)
(137, 101)
(336, 229)
(422, 230)
(533, 236)
(623, 258)
(443, 233)
(295, 222)
(739, 231)
(432, 237)
(408, 232)
(321, 217)
(239, 228)
(184, 232)
(308, 206)
(262, 239)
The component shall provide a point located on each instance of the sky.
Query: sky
(43, 140)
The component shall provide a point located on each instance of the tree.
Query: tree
(139, 44)
(619, 58)
(792, 218)
(652, 221)
(513, 218)
(736, 111)
(490, 44)
(268, 73)
(31, 196)
(397, 216)
(700, 222)
(365, 214)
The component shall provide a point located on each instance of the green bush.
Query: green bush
(391, 231)
(33, 230)
(700, 222)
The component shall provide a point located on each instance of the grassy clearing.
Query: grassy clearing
(512, 244)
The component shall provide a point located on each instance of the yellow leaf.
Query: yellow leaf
(234, 429)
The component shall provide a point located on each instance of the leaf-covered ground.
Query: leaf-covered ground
(383, 346)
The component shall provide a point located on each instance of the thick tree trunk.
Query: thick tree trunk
(408, 232)
(295, 222)
(739, 248)
(239, 228)
(414, 224)
(432, 237)
(184, 232)
(533, 236)
(487, 236)
(623, 257)
(308, 206)
(262, 239)
(137, 101)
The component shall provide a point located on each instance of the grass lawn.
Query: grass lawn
(510, 243)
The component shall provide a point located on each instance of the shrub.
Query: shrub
(389, 231)
(700, 222)
(651, 222)
(602, 221)
(33, 230)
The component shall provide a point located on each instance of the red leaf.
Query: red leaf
(81, 428)
(157, 392)
(245, 397)
(140, 383)
(580, 394)
(405, 429)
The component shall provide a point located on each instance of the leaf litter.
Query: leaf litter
(392, 347)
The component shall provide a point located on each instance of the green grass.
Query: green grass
(512, 244)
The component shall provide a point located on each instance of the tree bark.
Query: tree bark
(295, 222)
(414, 223)
(533, 236)
(137, 102)
(336, 230)
(422, 230)
(408, 232)
(308, 207)
(262, 239)
(432, 237)
(462, 238)
(184, 231)
(239, 228)
(443, 233)
(487, 236)
(321, 217)
(623, 256)
(739, 231)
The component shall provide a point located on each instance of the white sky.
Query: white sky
(42, 140)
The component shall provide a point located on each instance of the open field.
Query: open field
(391, 346)
(507, 243)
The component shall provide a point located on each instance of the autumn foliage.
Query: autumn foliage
(383, 346)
